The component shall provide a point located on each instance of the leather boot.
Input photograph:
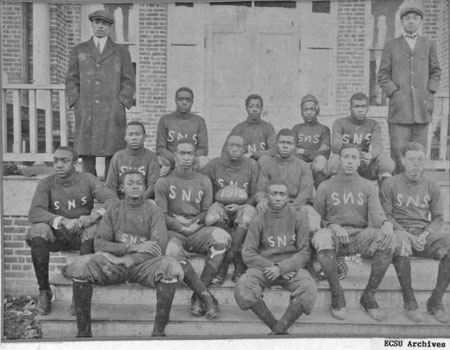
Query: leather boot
(211, 305)
(239, 266)
(402, 266)
(292, 313)
(264, 314)
(40, 256)
(44, 305)
(193, 281)
(165, 292)
(82, 294)
(434, 304)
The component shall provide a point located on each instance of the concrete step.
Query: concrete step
(389, 294)
(137, 321)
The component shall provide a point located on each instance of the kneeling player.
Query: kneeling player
(129, 245)
(345, 203)
(184, 197)
(233, 177)
(277, 251)
(414, 204)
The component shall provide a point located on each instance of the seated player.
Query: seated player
(357, 129)
(233, 177)
(184, 197)
(258, 135)
(277, 251)
(134, 157)
(414, 203)
(64, 217)
(181, 125)
(129, 244)
(313, 139)
(346, 202)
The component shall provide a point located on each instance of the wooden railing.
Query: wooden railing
(440, 122)
(30, 104)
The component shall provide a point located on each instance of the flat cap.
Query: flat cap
(407, 8)
(310, 98)
(101, 14)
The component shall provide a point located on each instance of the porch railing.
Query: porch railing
(34, 107)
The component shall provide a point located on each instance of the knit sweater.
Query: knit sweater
(310, 137)
(142, 160)
(188, 195)
(295, 172)
(364, 133)
(413, 204)
(259, 136)
(243, 173)
(278, 237)
(176, 126)
(69, 198)
(349, 201)
(131, 222)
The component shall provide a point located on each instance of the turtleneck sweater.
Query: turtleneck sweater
(131, 222)
(185, 194)
(69, 197)
(310, 137)
(364, 133)
(278, 237)
(243, 173)
(142, 160)
(295, 172)
(349, 201)
(259, 136)
(408, 204)
(178, 126)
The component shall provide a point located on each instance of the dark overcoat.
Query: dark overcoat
(99, 87)
(409, 78)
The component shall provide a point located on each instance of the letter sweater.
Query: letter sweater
(413, 204)
(70, 198)
(259, 136)
(188, 195)
(364, 133)
(174, 127)
(278, 237)
(294, 171)
(243, 173)
(310, 137)
(142, 160)
(349, 201)
(130, 222)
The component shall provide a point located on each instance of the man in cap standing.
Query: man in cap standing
(100, 84)
(409, 74)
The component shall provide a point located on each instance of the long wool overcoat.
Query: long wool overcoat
(409, 78)
(99, 87)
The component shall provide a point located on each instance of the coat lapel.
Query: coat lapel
(108, 50)
(404, 44)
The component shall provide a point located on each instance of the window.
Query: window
(321, 6)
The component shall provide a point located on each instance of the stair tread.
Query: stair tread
(230, 314)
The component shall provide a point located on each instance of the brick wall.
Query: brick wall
(351, 49)
(152, 68)
(58, 42)
(18, 272)
(442, 44)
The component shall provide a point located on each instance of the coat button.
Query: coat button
(97, 101)
(97, 83)
(97, 65)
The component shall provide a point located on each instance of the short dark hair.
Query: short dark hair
(185, 141)
(413, 146)
(286, 132)
(69, 149)
(350, 146)
(129, 172)
(138, 123)
(276, 181)
(229, 136)
(184, 88)
(359, 96)
(253, 97)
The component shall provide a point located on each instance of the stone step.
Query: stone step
(137, 321)
(389, 294)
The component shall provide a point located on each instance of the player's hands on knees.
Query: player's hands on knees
(232, 208)
(85, 220)
(182, 220)
(386, 235)
(192, 228)
(422, 239)
(340, 232)
(272, 272)
(262, 205)
(289, 275)
(418, 242)
(150, 247)
(71, 225)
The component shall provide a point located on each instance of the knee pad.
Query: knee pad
(323, 239)
(212, 218)
(246, 216)
(174, 250)
(40, 230)
(221, 237)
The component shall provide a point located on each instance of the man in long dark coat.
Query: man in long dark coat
(100, 83)
(409, 74)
